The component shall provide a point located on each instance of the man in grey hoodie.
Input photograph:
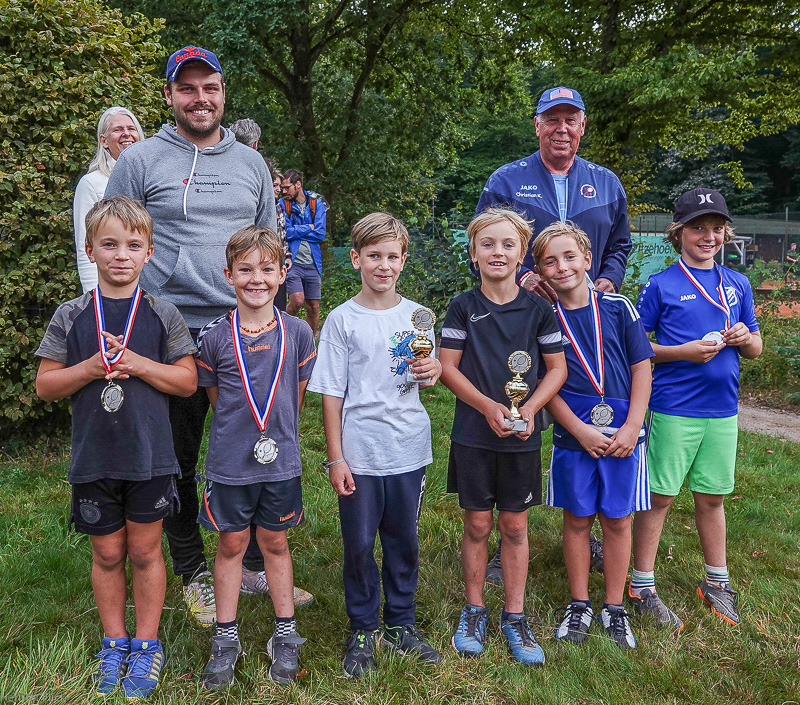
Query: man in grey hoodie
(200, 186)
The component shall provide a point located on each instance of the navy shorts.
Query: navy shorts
(102, 507)
(584, 485)
(275, 506)
(306, 279)
(485, 479)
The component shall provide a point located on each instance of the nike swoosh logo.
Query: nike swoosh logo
(475, 318)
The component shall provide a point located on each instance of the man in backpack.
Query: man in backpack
(306, 219)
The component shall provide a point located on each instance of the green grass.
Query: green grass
(49, 629)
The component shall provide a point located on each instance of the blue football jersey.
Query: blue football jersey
(671, 306)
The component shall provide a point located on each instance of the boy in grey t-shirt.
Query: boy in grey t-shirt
(379, 438)
(255, 363)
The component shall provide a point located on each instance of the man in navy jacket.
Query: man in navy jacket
(556, 184)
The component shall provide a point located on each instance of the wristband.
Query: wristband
(329, 464)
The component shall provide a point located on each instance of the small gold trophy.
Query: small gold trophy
(421, 347)
(517, 389)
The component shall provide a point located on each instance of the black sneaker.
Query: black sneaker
(617, 624)
(721, 599)
(221, 665)
(360, 655)
(494, 569)
(408, 640)
(596, 553)
(574, 625)
(285, 654)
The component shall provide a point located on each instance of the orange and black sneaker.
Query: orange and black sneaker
(721, 599)
(649, 603)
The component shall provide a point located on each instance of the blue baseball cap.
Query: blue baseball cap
(191, 53)
(559, 96)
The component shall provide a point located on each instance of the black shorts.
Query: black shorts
(485, 479)
(102, 507)
(271, 505)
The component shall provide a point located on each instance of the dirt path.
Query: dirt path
(783, 424)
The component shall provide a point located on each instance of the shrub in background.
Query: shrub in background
(62, 63)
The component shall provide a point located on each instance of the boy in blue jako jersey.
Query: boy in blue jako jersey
(117, 355)
(703, 319)
(255, 363)
(491, 464)
(378, 436)
(599, 466)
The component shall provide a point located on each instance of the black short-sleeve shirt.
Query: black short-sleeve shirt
(134, 443)
(487, 334)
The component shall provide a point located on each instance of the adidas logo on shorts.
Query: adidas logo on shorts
(160, 504)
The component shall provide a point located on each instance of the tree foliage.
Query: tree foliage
(671, 73)
(366, 97)
(61, 65)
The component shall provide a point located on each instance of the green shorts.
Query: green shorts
(704, 450)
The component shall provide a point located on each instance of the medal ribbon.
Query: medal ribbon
(598, 381)
(260, 414)
(723, 300)
(109, 363)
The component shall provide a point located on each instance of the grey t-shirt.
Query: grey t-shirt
(234, 431)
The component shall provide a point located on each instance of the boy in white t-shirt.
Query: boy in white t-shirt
(379, 442)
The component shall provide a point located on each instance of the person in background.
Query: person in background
(248, 132)
(306, 224)
(117, 129)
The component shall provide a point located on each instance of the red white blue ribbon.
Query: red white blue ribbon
(598, 380)
(109, 362)
(261, 414)
(723, 300)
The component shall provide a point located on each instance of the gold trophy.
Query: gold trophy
(517, 389)
(421, 347)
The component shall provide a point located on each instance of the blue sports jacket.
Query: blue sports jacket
(596, 203)
(298, 226)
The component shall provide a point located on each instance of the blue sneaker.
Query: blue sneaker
(471, 631)
(521, 641)
(112, 664)
(144, 667)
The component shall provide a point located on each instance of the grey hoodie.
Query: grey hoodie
(197, 199)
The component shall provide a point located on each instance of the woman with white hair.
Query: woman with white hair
(117, 129)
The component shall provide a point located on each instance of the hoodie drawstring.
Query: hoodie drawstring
(189, 182)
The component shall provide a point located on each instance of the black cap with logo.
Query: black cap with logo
(700, 201)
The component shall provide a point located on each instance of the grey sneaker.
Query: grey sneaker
(494, 569)
(721, 599)
(617, 625)
(254, 582)
(221, 665)
(596, 553)
(199, 598)
(408, 640)
(649, 603)
(574, 626)
(285, 654)
(360, 655)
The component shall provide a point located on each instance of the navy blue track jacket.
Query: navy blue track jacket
(596, 203)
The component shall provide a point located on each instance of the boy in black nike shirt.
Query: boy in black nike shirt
(491, 465)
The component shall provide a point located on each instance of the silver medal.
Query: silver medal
(715, 336)
(265, 450)
(112, 397)
(601, 414)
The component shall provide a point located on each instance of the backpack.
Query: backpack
(312, 204)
